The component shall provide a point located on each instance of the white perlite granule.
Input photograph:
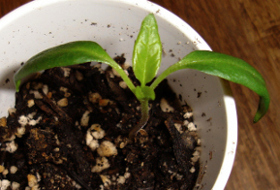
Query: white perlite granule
(15, 186)
(45, 89)
(178, 126)
(196, 156)
(91, 142)
(94, 97)
(102, 163)
(85, 119)
(105, 179)
(96, 131)
(33, 182)
(123, 84)
(121, 180)
(165, 107)
(107, 149)
(66, 71)
(192, 127)
(62, 102)
(188, 115)
(4, 184)
(24, 120)
(36, 93)
(30, 103)
(13, 169)
(11, 147)
(192, 170)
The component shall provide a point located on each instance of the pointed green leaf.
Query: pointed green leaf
(147, 51)
(69, 54)
(226, 67)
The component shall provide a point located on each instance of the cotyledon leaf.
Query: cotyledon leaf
(71, 53)
(227, 67)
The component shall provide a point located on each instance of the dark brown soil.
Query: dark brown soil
(69, 130)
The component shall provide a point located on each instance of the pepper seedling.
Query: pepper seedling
(146, 61)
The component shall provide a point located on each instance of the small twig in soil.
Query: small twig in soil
(55, 108)
(181, 151)
(78, 179)
(44, 107)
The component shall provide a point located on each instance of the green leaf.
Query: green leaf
(69, 54)
(226, 67)
(147, 51)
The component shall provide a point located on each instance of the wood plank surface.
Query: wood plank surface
(248, 29)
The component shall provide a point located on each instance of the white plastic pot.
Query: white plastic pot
(114, 24)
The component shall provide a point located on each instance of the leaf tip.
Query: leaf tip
(263, 107)
(256, 119)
